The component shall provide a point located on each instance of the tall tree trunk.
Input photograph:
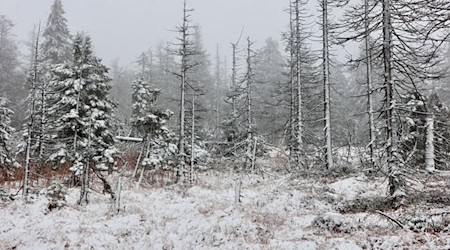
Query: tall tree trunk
(368, 50)
(138, 161)
(43, 121)
(27, 163)
(327, 87)
(218, 81)
(30, 126)
(191, 171)
(181, 169)
(395, 179)
(181, 153)
(249, 86)
(429, 144)
(234, 81)
(292, 106)
(299, 134)
(75, 139)
(85, 173)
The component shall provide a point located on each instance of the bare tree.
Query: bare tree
(368, 54)
(185, 52)
(409, 37)
(217, 96)
(326, 85)
(429, 143)
(32, 110)
(248, 89)
(297, 55)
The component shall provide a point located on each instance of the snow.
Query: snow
(275, 213)
(348, 188)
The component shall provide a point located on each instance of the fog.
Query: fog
(123, 29)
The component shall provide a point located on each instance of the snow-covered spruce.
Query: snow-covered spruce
(56, 46)
(56, 195)
(150, 122)
(5, 134)
(83, 112)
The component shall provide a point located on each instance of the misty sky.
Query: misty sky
(124, 28)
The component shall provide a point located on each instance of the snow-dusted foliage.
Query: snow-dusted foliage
(334, 222)
(159, 140)
(5, 133)
(54, 49)
(150, 122)
(82, 109)
(418, 110)
(56, 195)
(143, 99)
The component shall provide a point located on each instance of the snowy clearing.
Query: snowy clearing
(275, 213)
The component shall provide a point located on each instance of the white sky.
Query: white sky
(124, 28)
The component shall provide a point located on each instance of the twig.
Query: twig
(392, 219)
(440, 214)
(18, 191)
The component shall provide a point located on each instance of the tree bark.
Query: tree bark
(368, 51)
(429, 144)
(181, 171)
(31, 119)
(249, 86)
(191, 171)
(327, 87)
(395, 181)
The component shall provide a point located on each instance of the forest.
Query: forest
(277, 144)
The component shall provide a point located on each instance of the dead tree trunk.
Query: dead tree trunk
(30, 124)
(292, 108)
(234, 82)
(138, 161)
(395, 179)
(185, 51)
(249, 100)
(429, 144)
(191, 171)
(85, 173)
(218, 82)
(299, 134)
(368, 51)
(327, 87)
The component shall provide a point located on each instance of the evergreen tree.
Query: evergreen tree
(269, 77)
(163, 78)
(145, 64)
(11, 77)
(201, 86)
(56, 46)
(120, 93)
(83, 113)
(5, 134)
(149, 122)
(143, 99)
(55, 49)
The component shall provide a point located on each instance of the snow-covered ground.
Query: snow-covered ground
(276, 212)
